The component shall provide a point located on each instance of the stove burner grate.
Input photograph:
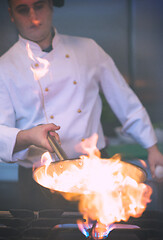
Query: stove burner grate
(55, 224)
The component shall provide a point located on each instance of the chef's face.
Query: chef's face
(33, 18)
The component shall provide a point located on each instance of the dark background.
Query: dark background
(131, 31)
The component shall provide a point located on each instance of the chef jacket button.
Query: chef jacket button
(74, 82)
(79, 110)
(67, 55)
(52, 117)
(36, 65)
(46, 89)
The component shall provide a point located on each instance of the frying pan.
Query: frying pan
(128, 169)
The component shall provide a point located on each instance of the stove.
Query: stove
(56, 224)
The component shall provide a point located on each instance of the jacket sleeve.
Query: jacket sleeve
(8, 131)
(126, 105)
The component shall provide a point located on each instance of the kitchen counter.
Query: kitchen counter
(8, 172)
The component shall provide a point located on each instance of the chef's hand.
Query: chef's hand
(36, 136)
(155, 157)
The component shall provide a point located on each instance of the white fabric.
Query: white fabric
(72, 59)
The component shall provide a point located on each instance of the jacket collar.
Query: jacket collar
(35, 48)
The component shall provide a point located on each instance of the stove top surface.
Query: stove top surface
(55, 224)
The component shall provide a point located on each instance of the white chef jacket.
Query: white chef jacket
(67, 95)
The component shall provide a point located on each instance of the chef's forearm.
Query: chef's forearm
(22, 140)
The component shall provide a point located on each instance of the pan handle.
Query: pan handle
(57, 148)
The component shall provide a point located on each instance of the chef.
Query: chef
(64, 101)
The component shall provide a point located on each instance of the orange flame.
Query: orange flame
(40, 66)
(143, 163)
(108, 190)
(36, 22)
